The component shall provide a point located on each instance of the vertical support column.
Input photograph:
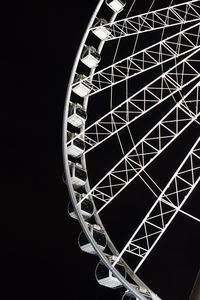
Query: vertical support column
(195, 294)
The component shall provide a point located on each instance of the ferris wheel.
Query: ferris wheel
(131, 141)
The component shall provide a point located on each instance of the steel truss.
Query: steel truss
(179, 84)
(166, 207)
(145, 151)
(168, 49)
(174, 15)
(159, 90)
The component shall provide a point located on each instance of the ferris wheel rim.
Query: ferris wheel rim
(71, 191)
(66, 169)
(67, 174)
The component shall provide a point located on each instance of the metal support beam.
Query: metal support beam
(195, 294)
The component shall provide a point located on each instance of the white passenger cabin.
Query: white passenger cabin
(102, 32)
(129, 296)
(97, 234)
(77, 146)
(90, 57)
(105, 277)
(116, 5)
(76, 115)
(78, 174)
(82, 87)
(86, 207)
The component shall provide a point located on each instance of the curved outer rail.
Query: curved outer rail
(101, 255)
(83, 224)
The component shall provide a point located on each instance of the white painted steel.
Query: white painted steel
(181, 49)
(153, 20)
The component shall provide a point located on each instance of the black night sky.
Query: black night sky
(39, 253)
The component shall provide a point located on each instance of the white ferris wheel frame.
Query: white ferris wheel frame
(121, 29)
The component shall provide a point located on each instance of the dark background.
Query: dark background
(39, 254)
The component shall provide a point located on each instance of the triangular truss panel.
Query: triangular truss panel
(171, 83)
(155, 20)
(166, 207)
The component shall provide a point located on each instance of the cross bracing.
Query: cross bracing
(153, 20)
(159, 90)
(166, 50)
(144, 152)
(178, 85)
(166, 207)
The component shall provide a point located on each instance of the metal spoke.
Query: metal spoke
(141, 97)
(165, 208)
(159, 90)
(154, 20)
(128, 168)
(146, 59)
